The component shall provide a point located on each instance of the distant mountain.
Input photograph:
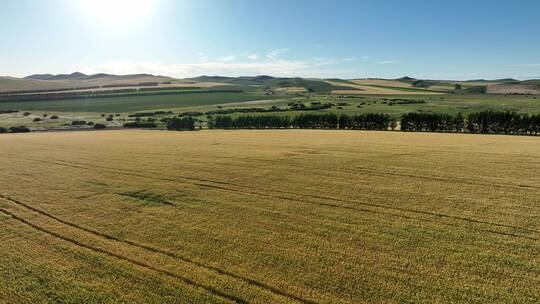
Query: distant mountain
(263, 78)
(73, 76)
(39, 77)
(242, 80)
(504, 80)
(78, 80)
(406, 79)
(310, 85)
(206, 78)
(531, 82)
(100, 75)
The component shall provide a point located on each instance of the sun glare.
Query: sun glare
(118, 14)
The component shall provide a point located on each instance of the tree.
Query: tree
(393, 125)
(459, 123)
(150, 125)
(181, 124)
(21, 129)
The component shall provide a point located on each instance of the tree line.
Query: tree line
(503, 123)
(369, 121)
(432, 122)
(486, 122)
(181, 124)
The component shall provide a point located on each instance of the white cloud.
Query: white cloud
(252, 56)
(275, 53)
(364, 57)
(387, 62)
(273, 66)
(226, 58)
(243, 64)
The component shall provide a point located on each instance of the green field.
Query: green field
(269, 217)
(449, 103)
(90, 109)
(132, 104)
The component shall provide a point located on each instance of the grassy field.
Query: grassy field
(269, 217)
(91, 109)
(130, 104)
(379, 104)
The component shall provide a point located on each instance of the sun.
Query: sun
(117, 14)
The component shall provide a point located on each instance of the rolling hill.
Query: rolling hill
(310, 85)
(43, 82)
(290, 85)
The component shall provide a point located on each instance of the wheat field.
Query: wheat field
(305, 216)
(381, 87)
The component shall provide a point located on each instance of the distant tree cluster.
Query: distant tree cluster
(136, 124)
(181, 123)
(8, 111)
(78, 123)
(249, 122)
(367, 121)
(147, 114)
(305, 121)
(316, 121)
(494, 122)
(432, 122)
(479, 122)
(190, 113)
(314, 106)
(20, 129)
(503, 123)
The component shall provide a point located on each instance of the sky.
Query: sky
(306, 38)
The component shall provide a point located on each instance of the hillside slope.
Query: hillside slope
(79, 80)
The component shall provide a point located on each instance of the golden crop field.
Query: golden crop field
(380, 87)
(306, 216)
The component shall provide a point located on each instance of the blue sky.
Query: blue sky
(348, 39)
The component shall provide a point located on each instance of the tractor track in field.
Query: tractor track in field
(155, 250)
(217, 270)
(226, 186)
(383, 173)
(124, 258)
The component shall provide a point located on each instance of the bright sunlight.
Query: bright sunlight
(118, 14)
